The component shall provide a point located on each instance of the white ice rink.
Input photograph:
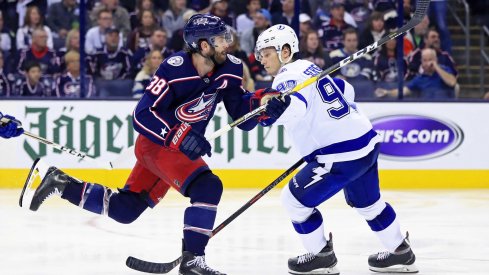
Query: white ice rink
(449, 233)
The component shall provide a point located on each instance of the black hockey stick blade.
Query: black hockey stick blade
(161, 268)
(151, 267)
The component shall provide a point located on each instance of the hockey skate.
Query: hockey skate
(195, 265)
(53, 183)
(401, 261)
(322, 263)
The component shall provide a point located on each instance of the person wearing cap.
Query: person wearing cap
(305, 25)
(111, 62)
(262, 20)
(245, 21)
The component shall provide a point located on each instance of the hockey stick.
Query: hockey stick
(419, 14)
(82, 156)
(160, 268)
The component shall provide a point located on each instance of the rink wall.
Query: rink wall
(425, 145)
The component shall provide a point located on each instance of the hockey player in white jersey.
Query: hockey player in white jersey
(341, 151)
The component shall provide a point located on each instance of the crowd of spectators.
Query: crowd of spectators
(126, 40)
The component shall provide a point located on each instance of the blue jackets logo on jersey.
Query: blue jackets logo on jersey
(197, 109)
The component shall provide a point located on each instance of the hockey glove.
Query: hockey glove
(10, 127)
(190, 142)
(276, 107)
(259, 98)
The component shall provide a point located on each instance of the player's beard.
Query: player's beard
(219, 57)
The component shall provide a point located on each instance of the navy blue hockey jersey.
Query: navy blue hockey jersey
(177, 93)
(69, 86)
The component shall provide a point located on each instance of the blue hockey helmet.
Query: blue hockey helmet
(205, 27)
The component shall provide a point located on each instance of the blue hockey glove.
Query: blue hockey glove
(276, 107)
(10, 127)
(259, 98)
(190, 142)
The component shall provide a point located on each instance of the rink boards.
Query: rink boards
(424, 145)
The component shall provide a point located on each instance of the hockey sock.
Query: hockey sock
(92, 197)
(124, 207)
(198, 222)
(311, 232)
(381, 218)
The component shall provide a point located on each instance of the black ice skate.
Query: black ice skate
(195, 265)
(401, 261)
(322, 263)
(53, 183)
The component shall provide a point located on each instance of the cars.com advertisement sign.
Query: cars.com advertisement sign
(415, 137)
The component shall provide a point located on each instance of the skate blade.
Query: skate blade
(331, 270)
(38, 171)
(396, 269)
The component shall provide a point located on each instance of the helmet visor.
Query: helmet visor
(221, 39)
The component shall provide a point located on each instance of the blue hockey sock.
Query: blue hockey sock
(198, 222)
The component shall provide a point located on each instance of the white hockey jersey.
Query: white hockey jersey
(323, 120)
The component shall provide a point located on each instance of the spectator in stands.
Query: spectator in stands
(312, 50)
(120, 16)
(9, 13)
(386, 64)
(139, 37)
(389, 9)
(431, 40)
(374, 31)
(414, 38)
(33, 20)
(286, 15)
(7, 45)
(436, 82)
(5, 89)
(331, 30)
(72, 43)
(95, 38)
(141, 5)
(31, 84)
(151, 64)
(158, 42)
(219, 8)
(244, 21)
(305, 24)
(235, 48)
(62, 17)
(360, 72)
(39, 53)
(111, 63)
(438, 14)
(262, 21)
(176, 42)
(172, 19)
(68, 83)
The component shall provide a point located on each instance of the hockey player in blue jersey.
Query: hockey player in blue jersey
(171, 119)
(9, 126)
(341, 149)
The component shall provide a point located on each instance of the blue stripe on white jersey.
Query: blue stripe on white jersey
(322, 119)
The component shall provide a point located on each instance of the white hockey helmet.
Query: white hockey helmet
(277, 36)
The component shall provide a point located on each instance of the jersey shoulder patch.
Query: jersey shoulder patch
(175, 61)
(234, 59)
